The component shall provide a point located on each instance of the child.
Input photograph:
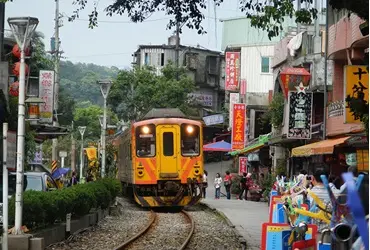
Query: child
(217, 183)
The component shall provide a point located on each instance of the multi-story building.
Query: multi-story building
(203, 66)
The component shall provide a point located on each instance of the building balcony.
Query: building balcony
(345, 34)
(335, 121)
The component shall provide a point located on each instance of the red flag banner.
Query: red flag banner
(232, 69)
(243, 165)
(238, 128)
(243, 87)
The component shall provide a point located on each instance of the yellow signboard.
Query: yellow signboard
(356, 84)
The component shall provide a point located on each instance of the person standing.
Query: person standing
(243, 185)
(227, 183)
(217, 183)
(205, 183)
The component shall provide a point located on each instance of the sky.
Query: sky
(116, 38)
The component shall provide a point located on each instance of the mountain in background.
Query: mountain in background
(79, 80)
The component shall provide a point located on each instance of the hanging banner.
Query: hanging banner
(243, 87)
(213, 119)
(232, 69)
(243, 165)
(238, 128)
(12, 149)
(356, 85)
(234, 98)
(300, 114)
(46, 93)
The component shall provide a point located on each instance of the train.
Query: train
(160, 159)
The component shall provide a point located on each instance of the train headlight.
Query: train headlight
(190, 129)
(145, 130)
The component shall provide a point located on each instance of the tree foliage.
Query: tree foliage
(137, 91)
(267, 15)
(275, 112)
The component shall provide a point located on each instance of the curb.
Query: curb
(242, 240)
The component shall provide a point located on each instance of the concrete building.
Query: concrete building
(204, 66)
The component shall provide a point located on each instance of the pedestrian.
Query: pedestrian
(73, 179)
(227, 183)
(205, 183)
(243, 185)
(217, 183)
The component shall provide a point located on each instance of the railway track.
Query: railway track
(153, 226)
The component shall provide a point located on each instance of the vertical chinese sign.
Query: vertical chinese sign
(232, 69)
(300, 114)
(234, 98)
(356, 86)
(243, 87)
(243, 165)
(238, 128)
(46, 93)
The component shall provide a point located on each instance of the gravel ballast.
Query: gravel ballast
(171, 229)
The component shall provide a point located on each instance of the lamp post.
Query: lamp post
(104, 88)
(22, 29)
(82, 131)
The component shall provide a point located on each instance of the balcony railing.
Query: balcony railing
(336, 109)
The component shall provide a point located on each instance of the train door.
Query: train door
(168, 148)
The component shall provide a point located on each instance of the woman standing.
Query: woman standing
(205, 183)
(217, 183)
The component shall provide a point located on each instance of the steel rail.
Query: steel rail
(184, 245)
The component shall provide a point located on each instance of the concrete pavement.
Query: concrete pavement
(246, 216)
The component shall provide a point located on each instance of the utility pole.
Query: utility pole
(177, 48)
(2, 25)
(56, 80)
(326, 68)
(73, 151)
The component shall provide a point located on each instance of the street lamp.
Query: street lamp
(82, 131)
(22, 29)
(104, 88)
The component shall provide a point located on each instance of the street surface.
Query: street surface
(247, 216)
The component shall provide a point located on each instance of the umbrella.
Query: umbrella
(59, 172)
(220, 146)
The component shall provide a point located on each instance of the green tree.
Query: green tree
(275, 111)
(137, 91)
(267, 15)
(89, 117)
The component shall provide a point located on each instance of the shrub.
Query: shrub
(44, 208)
(235, 184)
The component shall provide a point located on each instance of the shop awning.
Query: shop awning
(254, 145)
(318, 148)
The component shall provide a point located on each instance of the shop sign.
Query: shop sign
(232, 69)
(238, 128)
(356, 85)
(300, 115)
(291, 78)
(243, 87)
(46, 93)
(362, 158)
(234, 98)
(11, 140)
(253, 157)
(204, 100)
(243, 165)
(213, 119)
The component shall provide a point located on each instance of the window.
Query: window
(168, 144)
(33, 183)
(146, 59)
(162, 59)
(265, 64)
(145, 141)
(189, 140)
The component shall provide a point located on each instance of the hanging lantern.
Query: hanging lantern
(290, 78)
(14, 89)
(16, 68)
(17, 52)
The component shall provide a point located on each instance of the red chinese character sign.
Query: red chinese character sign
(46, 93)
(290, 78)
(238, 126)
(243, 165)
(243, 87)
(232, 69)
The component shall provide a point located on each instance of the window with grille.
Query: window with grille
(265, 64)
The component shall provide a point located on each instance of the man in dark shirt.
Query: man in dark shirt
(243, 187)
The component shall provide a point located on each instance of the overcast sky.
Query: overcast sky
(116, 38)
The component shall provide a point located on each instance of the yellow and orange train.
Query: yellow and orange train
(160, 160)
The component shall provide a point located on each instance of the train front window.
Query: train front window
(189, 140)
(145, 141)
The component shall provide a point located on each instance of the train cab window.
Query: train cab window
(168, 144)
(145, 141)
(189, 140)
